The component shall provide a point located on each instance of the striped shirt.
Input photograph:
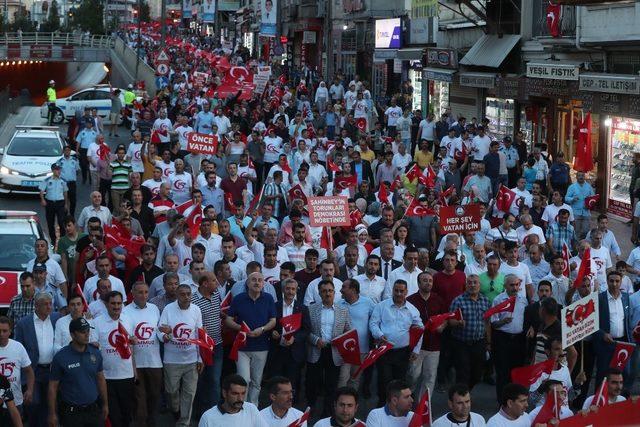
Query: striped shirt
(210, 308)
(120, 175)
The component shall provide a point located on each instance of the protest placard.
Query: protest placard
(202, 143)
(332, 211)
(580, 319)
(459, 219)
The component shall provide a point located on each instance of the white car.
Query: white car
(94, 97)
(27, 158)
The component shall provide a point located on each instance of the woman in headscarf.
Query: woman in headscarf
(322, 96)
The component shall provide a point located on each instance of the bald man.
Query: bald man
(95, 209)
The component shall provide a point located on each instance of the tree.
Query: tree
(22, 21)
(145, 12)
(89, 16)
(52, 23)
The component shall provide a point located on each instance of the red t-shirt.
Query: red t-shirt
(434, 305)
(234, 188)
(449, 286)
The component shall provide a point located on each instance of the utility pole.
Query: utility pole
(216, 24)
(163, 23)
(328, 29)
(139, 36)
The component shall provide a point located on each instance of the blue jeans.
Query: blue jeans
(208, 392)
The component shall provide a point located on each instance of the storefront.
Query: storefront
(412, 66)
(440, 68)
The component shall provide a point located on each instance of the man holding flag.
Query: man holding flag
(608, 392)
(397, 410)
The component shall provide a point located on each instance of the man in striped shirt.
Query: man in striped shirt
(208, 299)
(120, 170)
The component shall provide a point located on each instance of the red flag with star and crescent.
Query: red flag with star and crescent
(302, 420)
(591, 202)
(291, 324)
(585, 268)
(372, 356)
(296, 192)
(434, 322)
(397, 183)
(422, 416)
(601, 398)
(361, 124)
(193, 221)
(255, 202)
(326, 239)
(429, 179)
(413, 172)
(504, 198)
(332, 166)
(527, 375)
(348, 346)
(506, 306)
(206, 346)
(226, 302)
(415, 333)
(554, 15)
(550, 409)
(583, 162)
(344, 182)
(239, 342)
(383, 194)
(122, 342)
(621, 355)
(415, 209)
(566, 269)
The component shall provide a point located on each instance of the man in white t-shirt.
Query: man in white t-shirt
(144, 319)
(103, 267)
(113, 331)
(233, 411)
(513, 266)
(480, 145)
(15, 362)
(345, 406)
(281, 411)
(179, 322)
(513, 405)
(134, 153)
(600, 259)
(392, 113)
(451, 142)
(460, 405)
(614, 385)
(181, 183)
(397, 410)
(162, 125)
(153, 184)
(427, 129)
(550, 212)
(183, 130)
(273, 147)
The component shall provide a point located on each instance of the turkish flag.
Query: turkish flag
(415, 333)
(291, 324)
(355, 217)
(591, 202)
(422, 415)
(434, 322)
(601, 398)
(78, 291)
(239, 342)
(344, 182)
(371, 357)
(416, 209)
(550, 409)
(580, 313)
(527, 375)
(332, 166)
(506, 306)
(348, 346)
(383, 195)
(428, 180)
(228, 201)
(206, 344)
(444, 196)
(183, 207)
(226, 302)
(504, 198)
(326, 239)
(413, 172)
(296, 193)
(122, 342)
(193, 221)
(585, 268)
(361, 124)
(566, 270)
(255, 202)
(554, 15)
(621, 355)
(397, 183)
(583, 162)
(103, 152)
(311, 131)
(303, 419)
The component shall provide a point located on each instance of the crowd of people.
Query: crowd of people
(176, 275)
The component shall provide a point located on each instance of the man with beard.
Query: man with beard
(233, 411)
(280, 412)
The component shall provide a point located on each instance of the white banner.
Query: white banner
(580, 319)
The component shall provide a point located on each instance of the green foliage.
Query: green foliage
(89, 16)
(145, 12)
(52, 23)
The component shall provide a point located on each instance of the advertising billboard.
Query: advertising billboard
(388, 33)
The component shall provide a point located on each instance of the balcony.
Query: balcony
(610, 23)
(540, 29)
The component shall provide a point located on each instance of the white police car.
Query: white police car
(97, 97)
(27, 158)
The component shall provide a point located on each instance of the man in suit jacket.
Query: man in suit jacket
(324, 360)
(387, 263)
(287, 354)
(363, 169)
(350, 269)
(616, 327)
(29, 331)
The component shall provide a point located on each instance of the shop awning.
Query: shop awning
(439, 74)
(411, 53)
(490, 50)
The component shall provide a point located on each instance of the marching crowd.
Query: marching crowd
(196, 284)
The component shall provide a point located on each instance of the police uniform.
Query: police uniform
(53, 189)
(512, 160)
(77, 376)
(69, 168)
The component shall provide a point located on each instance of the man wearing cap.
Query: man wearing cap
(41, 284)
(69, 167)
(51, 101)
(54, 198)
(77, 373)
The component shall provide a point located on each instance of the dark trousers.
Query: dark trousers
(512, 173)
(120, 394)
(147, 395)
(281, 362)
(392, 365)
(208, 391)
(266, 168)
(468, 359)
(105, 189)
(84, 165)
(72, 194)
(85, 417)
(259, 174)
(588, 357)
(391, 131)
(508, 352)
(53, 211)
(51, 112)
(38, 411)
(322, 373)
(445, 363)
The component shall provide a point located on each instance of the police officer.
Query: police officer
(129, 96)
(69, 167)
(85, 138)
(76, 371)
(51, 100)
(54, 198)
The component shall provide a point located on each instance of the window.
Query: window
(87, 95)
(32, 146)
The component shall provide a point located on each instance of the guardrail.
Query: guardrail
(60, 39)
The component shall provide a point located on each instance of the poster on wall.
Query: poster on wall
(388, 33)
(208, 11)
(187, 5)
(268, 15)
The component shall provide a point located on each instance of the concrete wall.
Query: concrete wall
(123, 68)
(608, 22)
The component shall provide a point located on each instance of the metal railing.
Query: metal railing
(539, 16)
(61, 39)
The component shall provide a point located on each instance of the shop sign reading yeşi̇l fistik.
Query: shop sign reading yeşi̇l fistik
(553, 71)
